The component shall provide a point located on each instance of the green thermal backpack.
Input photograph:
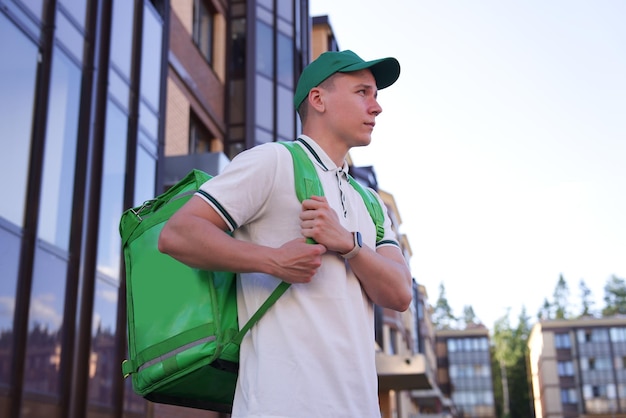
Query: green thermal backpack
(183, 333)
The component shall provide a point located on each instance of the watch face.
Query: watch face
(359, 241)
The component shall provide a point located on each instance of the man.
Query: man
(312, 354)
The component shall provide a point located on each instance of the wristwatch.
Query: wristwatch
(358, 243)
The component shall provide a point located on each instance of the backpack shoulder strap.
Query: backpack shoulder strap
(307, 181)
(308, 184)
(373, 207)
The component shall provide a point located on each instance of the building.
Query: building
(578, 367)
(403, 364)
(104, 104)
(464, 371)
(82, 105)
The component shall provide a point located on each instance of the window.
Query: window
(393, 341)
(562, 340)
(593, 335)
(200, 138)
(17, 81)
(103, 344)
(599, 391)
(595, 363)
(264, 49)
(152, 37)
(468, 344)
(203, 28)
(565, 368)
(618, 334)
(146, 165)
(568, 396)
(55, 211)
(599, 363)
(112, 205)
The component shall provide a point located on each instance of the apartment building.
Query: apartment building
(578, 367)
(464, 371)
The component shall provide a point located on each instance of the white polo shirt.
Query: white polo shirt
(312, 354)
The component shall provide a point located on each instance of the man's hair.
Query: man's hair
(327, 84)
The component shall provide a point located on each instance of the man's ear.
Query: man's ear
(316, 99)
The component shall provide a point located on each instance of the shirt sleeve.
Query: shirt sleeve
(390, 237)
(243, 188)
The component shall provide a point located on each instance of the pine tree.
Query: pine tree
(545, 312)
(614, 296)
(561, 296)
(586, 299)
(469, 317)
(443, 318)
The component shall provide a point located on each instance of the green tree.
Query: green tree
(545, 312)
(614, 296)
(443, 318)
(503, 356)
(586, 299)
(469, 317)
(510, 353)
(561, 297)
(519, 385)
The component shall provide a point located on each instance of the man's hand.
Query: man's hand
(320, 222)
(296, 261)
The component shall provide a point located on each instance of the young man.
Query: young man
(312, 354)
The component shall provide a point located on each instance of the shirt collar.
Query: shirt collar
(319, 155)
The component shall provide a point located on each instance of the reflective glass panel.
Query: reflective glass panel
(285, 113)
(268, 4)
(238, 41)
(45, 317)
(285, 10)
(77, 9)
(118, 88)
(9, 258)
(285, 61)
(121, 35)
(262, 136)
(55, 210)
(264, 49)
(237, 101)
(132, 401)
(103, 368)
(151, 56)
(17, 84)
(69, 35)
(264, 105)
(109, 243)
(148, 119)
(145, 176)
(35, 6)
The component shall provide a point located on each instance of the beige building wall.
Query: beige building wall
(544, 374)
(319, 39)
(177, 121)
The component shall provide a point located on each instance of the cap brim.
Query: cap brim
(385, 70)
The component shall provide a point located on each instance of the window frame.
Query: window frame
(203, 24)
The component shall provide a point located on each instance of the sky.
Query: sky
(503, 143)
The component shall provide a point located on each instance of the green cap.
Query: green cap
(385, 70)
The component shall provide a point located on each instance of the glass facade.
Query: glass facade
(469, 371)
(275, 72)
(69, 141)
(82, 115)
(268, 66)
